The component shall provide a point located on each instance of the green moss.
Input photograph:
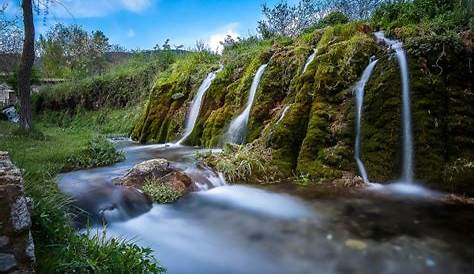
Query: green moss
(441, 119)
(164, 118)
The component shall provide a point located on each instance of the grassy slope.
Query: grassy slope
(59, 248)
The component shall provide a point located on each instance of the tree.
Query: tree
(358, 9)
(11, 35)
(26, 66)
(166, 45)
(286, 20)
(291, 20)
(70, 50)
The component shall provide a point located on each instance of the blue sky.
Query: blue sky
(140, 24)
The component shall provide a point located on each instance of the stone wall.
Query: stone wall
(16, 243)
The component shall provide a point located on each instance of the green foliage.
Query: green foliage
(123, 86)
(97, 152)
(333, 18)
(94, 253)
(104, 121)
(163, 119)
(437, 16)
(71, 52)
(59, 249)
(160, 193)
(244, 164)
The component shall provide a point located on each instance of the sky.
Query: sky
(141, 24)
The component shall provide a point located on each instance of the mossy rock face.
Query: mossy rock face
(327, 145)
(165, 112)
(441, 102)
(316, 135)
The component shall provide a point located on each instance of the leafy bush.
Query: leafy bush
(95, 253)
(98, 152)
(160, 192)
(438, 15)
(333, 18)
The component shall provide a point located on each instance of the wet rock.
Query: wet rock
(156, 171)
(141, 172)
(16, 243)
(178, 181)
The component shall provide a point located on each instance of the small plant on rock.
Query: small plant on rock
(160, 192)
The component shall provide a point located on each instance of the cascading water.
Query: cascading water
(359, 95)
(196, 105)
(238, 126)
(407, 174)
(309, 60)
(285, 110)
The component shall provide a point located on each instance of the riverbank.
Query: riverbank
(59, 249)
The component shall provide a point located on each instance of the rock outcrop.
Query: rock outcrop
(17, 253)
(157, 171)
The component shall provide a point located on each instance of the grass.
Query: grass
(59, 248)
(244, 164)
(160, 193)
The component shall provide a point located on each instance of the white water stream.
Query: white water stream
(196, 105)
(359, 95)
(238, 126)
(309, 60)
(407, 165)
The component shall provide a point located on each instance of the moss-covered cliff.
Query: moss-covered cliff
(315, 137)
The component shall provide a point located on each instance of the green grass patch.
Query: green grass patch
(59, 248)
(160, 193)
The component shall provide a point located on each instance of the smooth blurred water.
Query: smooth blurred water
(283, 113)
(238, 127)
(196, 105)
(309, 60)
(359, 95)
(407, 164)
(281, 229)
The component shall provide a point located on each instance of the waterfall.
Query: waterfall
(359, 95)
(407, 174)
(309, 60)
(196, 105)
(238, 126)
(285, 110)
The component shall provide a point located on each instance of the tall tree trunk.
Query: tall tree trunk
(26, 65)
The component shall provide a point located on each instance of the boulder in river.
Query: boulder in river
(160, 181)
(151, 169)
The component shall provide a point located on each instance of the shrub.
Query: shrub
(439, 15)
(160, 192)
(98, 152)
(333, 18)
(249, 163)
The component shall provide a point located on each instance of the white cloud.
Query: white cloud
(216, 38)
(130, 33)
(136, 5)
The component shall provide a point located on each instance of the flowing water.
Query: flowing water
(407, 165)
(309, 60)
(196, 105)
(283, 113)
(282, 228)
(359, 95)
(238, 127)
